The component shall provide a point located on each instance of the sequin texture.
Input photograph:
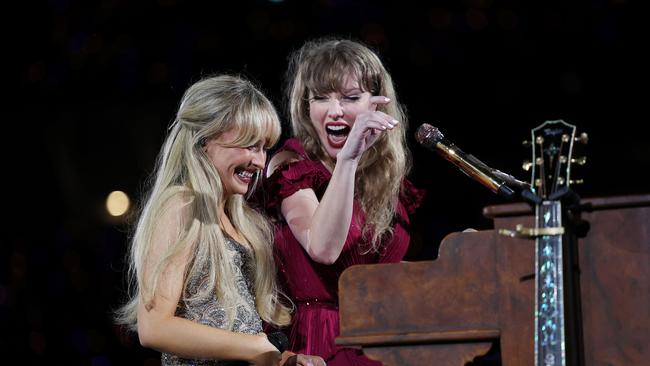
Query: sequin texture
(209, 311)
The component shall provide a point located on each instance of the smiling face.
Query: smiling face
(333, 114)
(236, 165)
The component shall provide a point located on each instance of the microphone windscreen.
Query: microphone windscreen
(279, 340)
(427, 135)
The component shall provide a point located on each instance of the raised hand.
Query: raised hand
(367, 128)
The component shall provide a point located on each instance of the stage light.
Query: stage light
(117, 203)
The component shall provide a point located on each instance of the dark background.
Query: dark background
(97, 83)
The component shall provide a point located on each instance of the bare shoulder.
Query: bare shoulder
(279, 159)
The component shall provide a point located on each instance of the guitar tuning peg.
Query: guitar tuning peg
(580, 161)
(577, 181)
(526, 165)
(583, 138)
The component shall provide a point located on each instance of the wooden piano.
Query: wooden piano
(481, 291)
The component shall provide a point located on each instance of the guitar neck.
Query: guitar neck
(549, 288)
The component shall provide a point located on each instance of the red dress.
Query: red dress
(313, 287)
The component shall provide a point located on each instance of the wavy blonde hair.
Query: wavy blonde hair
(321, 67)
(209, 108)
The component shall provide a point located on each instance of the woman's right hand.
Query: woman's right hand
(367, 128)
(302, 360)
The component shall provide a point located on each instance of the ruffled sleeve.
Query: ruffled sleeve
(291, 177)
(411, 197)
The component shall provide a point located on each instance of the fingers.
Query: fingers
(308, 360)
(379, 100)
(366, 130)
(289, 359)
(377, 120)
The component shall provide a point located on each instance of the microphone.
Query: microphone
(495, 180)
(279, 340)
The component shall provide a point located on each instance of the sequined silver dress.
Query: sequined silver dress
(210, 312)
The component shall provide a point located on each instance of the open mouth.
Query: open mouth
(337, 134)
(244, 175)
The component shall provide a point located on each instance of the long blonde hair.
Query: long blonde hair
(321, 67)
(209, 108)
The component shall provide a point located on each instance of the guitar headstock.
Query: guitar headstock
(552, 145)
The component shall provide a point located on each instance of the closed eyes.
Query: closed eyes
(346, 98)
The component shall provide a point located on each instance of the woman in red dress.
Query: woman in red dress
(337, 190)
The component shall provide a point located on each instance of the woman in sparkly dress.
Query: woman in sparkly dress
(201, 260)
